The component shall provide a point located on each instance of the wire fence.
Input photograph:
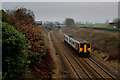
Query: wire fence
(104, 29)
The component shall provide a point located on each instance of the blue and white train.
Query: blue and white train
(81, 46)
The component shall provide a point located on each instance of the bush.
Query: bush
(5, 17)
(14, 54)
(23, 20)
(44, 68)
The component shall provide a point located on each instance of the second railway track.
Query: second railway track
(85, 68)
(75, 66)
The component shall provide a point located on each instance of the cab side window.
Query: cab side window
(88, 45)
(81, 45)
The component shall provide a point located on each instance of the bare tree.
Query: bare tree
(48, 25)
(107, 21)
(69, 22)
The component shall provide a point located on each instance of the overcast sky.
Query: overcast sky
(79, 11)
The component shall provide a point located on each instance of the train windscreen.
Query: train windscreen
(81, 45)
(88, 45)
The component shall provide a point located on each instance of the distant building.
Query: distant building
(82, 24)
(111, 23)
(38, 22)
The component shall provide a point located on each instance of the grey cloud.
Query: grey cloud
(80, 11)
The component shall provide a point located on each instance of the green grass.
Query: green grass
(99, 25)
(94, 25)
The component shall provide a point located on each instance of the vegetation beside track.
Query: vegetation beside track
(102, 42)
(26, 51)
(14, 55)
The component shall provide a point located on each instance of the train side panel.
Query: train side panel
(71, 41)
(83, 47)
(66, 38)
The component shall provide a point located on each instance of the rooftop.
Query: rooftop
(76, 38)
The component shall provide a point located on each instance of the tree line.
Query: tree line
(69, 22)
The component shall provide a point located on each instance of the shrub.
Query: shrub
(14, 54)
(44, 68)
(23, 20)
(5, 17)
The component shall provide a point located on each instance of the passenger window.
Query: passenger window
(73, 43)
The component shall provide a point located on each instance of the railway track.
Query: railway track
(92, 67)
(102, 68)
(93, 60)
(75, 66)
(90, 59)
(104, 72)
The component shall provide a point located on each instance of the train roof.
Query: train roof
(76, 38)
(70, 35)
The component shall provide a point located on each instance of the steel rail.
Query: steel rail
(103, 69)
(100, 68)
(78, 63)
(94, 69)
(71, 64)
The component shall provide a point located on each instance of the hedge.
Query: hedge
(14, 54)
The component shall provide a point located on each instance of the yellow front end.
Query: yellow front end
(89, 49)
(84, 48)
(80, 49)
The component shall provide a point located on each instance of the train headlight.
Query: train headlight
(89, 49)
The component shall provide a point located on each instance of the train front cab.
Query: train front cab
(84, 48)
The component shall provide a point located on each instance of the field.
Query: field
(96, 25)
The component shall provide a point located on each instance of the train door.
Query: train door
(81, 47)
(77, 46)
